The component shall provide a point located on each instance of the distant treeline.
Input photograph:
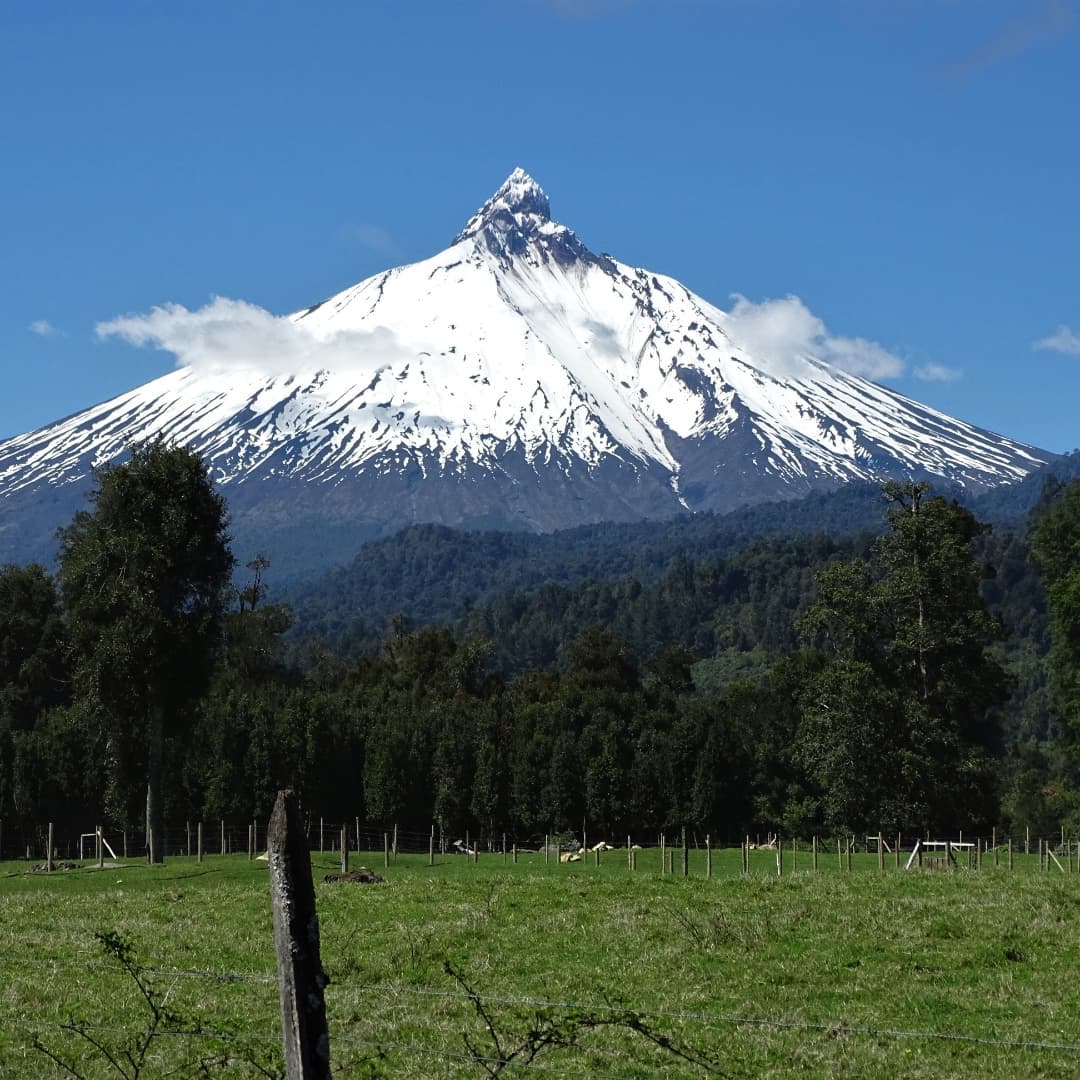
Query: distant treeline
(667, 676)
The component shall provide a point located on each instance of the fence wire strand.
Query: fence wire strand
(706, 1018)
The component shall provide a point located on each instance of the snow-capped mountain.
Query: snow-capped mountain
(513, 380)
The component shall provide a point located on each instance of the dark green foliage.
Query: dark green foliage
(635, 680)
(900, 725)
(143, 576)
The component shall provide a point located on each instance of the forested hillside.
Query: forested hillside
(706, 672)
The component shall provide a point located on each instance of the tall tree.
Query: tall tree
(1056, 547)
(900, 727)
(33, 672)
(144, 577)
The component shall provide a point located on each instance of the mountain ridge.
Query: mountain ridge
(513, 380)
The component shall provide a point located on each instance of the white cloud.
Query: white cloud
(44, 328)
(937, 373)
(786, 334)
(230, 335)
(1064, 340)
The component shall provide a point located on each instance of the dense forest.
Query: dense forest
(875, 659)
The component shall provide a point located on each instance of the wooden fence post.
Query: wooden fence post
(993, 841)
(322, 845)
(708, 855)
(431, 848)
(187, 841)
(685, 855)
(222, 836)
(851, 844)
(813, 853)
(357, 833)
(199, 840)
(344, 849)
(100, 841)
(897, 851)
(394, 848)
(296, 943)
(386, 850)
(49, 858)
(880, 853)
(547, 847)
(663, 855)
(779, 856)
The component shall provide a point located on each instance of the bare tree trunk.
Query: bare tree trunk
(154, 769)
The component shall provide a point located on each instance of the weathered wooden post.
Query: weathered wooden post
(779, 856)
(386, 850)
(746, 855)
(897, 851)
(515, 854)
(993, 842)
(685, 855)
(504, 847)
(1027, 839)
(301, 978)
(322, 845)
(150, 840)
(344, 849)
(468, 848)
(880, 853)
(547, 847)
(851, 844)
(394, 848)
(187, 840)
(222, 836)
(49, 857)
(198, 838)
(99, 839)
(708, 855)
(357, 834)
(431, 848)
(813, 853)
(663, 854)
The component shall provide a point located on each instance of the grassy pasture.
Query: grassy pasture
(848, 969)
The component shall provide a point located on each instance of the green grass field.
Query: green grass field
(830, 974)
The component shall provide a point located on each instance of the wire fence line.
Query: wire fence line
(833, 1027)
(324, 837)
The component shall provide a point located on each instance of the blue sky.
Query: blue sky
(909, 169)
